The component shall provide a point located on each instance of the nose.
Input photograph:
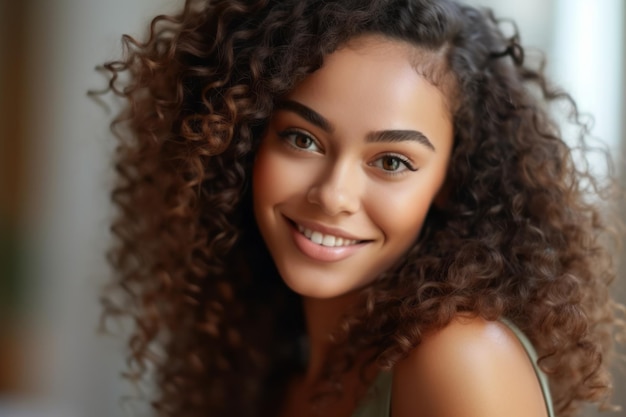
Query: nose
(337, 191)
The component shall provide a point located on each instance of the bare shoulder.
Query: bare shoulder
(472, 367)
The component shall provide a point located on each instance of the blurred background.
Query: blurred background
(55, 174)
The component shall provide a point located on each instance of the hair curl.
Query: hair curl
(518, 236)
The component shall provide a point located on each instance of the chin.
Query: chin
(315, 288)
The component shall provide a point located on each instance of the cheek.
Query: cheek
(399, 214)
(275, 179)
(279, 173)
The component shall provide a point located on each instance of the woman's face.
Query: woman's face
(349, 165)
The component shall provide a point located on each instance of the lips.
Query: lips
(325, 239)
(324, 244)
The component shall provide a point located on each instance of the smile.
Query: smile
(324, 244)
(325, 240)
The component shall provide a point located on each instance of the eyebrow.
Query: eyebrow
(320, 121)
(400, 136)
(306, 113)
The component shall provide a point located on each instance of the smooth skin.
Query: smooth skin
(471, 368)
(351, 162)
(358, 150)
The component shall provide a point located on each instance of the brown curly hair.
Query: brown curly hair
(217, 329)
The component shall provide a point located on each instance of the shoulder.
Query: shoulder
(471, 367)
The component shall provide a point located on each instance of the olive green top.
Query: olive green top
(378, 402)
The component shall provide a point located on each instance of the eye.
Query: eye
(300, 140)
(393, 164)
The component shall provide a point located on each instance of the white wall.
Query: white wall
(583, 41)
(588, 62)
(73, 371)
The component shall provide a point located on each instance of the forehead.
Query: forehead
(378, 63)
(372, 85)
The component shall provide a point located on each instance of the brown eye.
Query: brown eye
(390, 163)
(302, 141)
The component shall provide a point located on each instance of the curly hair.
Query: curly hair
(215, 326)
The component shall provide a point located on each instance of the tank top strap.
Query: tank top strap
(377, 403)
(532, 355)
(378, 400)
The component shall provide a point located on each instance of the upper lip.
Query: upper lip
(326, 230)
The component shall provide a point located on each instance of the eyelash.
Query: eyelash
(288, 136)
(402, 159)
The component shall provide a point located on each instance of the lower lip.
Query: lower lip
(322, 253)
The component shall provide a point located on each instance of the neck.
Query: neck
(322, 320)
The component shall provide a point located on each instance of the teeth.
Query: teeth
(325, 240)
(317, 238)
(328, 240)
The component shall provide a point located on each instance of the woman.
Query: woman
(352, 208)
